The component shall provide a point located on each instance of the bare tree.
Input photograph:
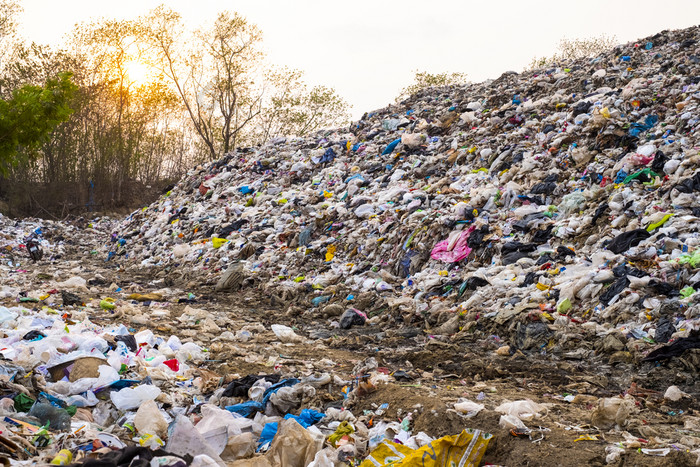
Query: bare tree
(574, 49)
(215, 76)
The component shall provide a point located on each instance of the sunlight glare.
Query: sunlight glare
(138, 72)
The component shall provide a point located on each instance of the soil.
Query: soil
(436, 373)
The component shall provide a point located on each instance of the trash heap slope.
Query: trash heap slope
(560, 199)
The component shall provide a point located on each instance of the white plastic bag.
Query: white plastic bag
(131, 398)
(525, 410)
(469, 408)
(510, 422)
(185, 439)
(7, 315)
(285, 333)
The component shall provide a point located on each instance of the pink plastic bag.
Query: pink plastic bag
(451, 252)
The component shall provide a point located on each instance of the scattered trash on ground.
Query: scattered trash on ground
(495, 273)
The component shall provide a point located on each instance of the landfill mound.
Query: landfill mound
(501, 273)
(538, 206)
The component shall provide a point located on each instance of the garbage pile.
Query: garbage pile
(22, 241)
(73, 390)
(544, 207)
(460, 276)
(88, 378)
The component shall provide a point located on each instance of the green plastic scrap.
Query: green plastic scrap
(646, 171)
(687, 292)
(23, 402)
(692, 259)
(564, 306)
(656, 225)
(408, 241)
(107, 305)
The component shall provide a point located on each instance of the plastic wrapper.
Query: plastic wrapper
(465, 449)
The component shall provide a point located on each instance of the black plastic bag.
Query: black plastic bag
(627, 240)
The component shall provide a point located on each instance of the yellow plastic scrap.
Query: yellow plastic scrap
(541, 286)
(218, 242)
(344, 429)
(586, 438)
(330, 253)
(107, 304)
(154, 297)
(465, 449)
(605, 112)
(656, 225)
(150, 440)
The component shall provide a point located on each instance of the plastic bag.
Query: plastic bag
(525, 410)
(627, 240)
(285, 333)
(185, 439)
(674, 394)
(510, 422)
(7, 315)
(214, 418)
(453, 249)
(294, 445)
(74, 282)
(365, 210)
(612, 411)
(149, 420)
(130, 398)
(326, 458)
(469, 408)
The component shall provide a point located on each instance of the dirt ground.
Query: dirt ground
(434, 374)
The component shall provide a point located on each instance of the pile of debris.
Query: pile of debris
(516, 257)
(540, 206)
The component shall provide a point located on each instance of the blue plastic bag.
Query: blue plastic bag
(391, 146)
(306, 418)
(267, 435)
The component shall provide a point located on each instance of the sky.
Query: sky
(369, 50)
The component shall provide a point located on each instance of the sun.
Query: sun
(138, 72)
